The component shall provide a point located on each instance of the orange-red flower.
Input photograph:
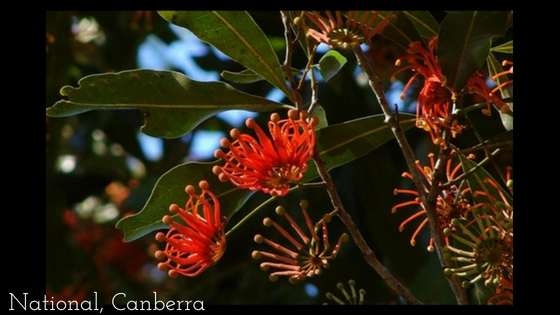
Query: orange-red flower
(269, 164)
(434, 104)
(345, 31)
(451, 202)
(199, 241)
(308, 259)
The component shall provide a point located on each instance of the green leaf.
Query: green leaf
(245, 76)
(248, 76)
(331, 63)
(172, 103)
(321, 114)
(338, 144)
(424, 22)
(342, 143)
(504, 48)
(170, 188)
(235, 34)
(495, 67)
(464, 42)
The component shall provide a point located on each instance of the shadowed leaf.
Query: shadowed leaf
(464, 42)
(172, 103)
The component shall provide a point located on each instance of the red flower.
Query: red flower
(270, 165)
(346, 31)
(433, 110)
(201, 242)
(450, 203)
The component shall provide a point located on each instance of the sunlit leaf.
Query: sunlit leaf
(331, 62)
(248, 76)
(465, 39)
(235, 34)
(245, 76)
(504, 48)
(172, 103)
(338, 144)
(321, 114)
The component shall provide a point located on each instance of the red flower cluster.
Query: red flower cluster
(435, 100)
(434, 105)
(199, 241)
(451, 202)
(266, 164)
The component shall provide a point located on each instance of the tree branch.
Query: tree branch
(429, 200)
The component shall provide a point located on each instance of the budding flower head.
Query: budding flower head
(483, 250)
(351, 298)
(310, 253)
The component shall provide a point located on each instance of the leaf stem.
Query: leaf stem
(245, 218)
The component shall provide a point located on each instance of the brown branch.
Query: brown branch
(429, 200)
(368, 254)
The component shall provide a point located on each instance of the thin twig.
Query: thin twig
(288, 59)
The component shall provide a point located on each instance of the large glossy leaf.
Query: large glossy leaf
(235, 34)
(172, 103)
(338, 144)
(342, 143)
(424, 22)
(464, 42)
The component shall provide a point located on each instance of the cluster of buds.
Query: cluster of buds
(354, 299)
(483, 248)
